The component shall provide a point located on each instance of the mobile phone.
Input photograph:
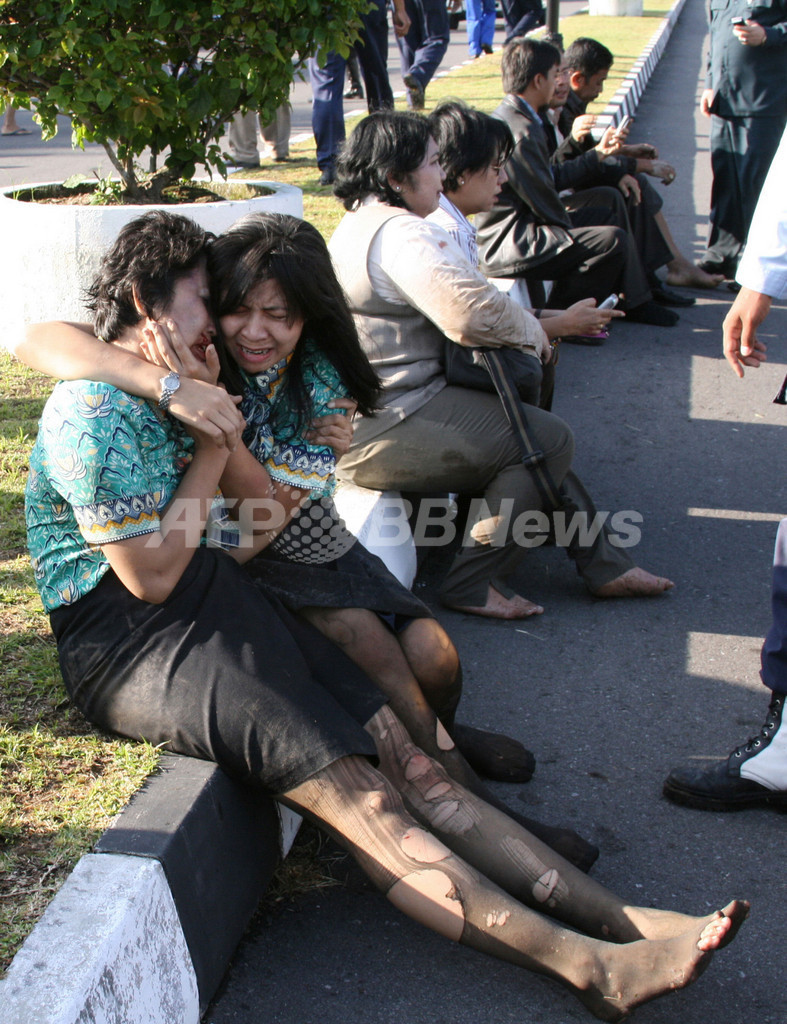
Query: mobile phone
(610, 302)
(738, 20)
(624, 123)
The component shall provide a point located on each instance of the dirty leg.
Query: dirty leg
(421, 876)
(372, 647)
(505, 852)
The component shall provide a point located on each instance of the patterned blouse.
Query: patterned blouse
(272, 433)
(104, 466)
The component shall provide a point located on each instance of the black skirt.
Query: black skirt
(316, 562)
(218, 671)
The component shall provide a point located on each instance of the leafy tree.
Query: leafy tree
(160, 75)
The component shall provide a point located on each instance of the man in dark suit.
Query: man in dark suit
(587, 252)
(587, 63)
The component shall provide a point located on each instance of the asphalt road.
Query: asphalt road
(609, 695)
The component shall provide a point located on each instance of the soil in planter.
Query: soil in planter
(84, 194)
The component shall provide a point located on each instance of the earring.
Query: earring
(397, 188)
(461, 181)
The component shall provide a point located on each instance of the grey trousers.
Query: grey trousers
(460, 441)
(243, 135)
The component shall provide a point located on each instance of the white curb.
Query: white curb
(108, 950)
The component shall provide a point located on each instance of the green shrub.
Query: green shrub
(160, 75)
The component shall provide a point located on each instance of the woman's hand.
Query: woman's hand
(209, 410)
(204, 408)
(163, 345)
(583, 318)
(336, 430)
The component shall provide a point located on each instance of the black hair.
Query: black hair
(468, 140)
(588, 56)
(144, 263)
(277, 247)
(387, 142)
(523, 59)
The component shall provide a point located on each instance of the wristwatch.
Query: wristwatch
(169, 385)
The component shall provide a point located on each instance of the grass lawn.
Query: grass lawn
(61, 781)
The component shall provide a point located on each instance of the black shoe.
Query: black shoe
(328, 176)
(722, 787)
(669, 297)
(585, 339)
(494, 755)
(486, 48)
(415, 92)
(726, 267)
(651, 312)
(356, 93)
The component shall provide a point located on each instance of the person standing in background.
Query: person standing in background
(423, 46)
(755, 773)
(745, 97)
(372, 51)
(480, 26)
(243, 137)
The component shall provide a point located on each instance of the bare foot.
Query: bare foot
(650, 923)
(634, 583)
(627, 976)
(682, 274)
(499, 607)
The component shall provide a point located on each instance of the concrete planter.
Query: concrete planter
(617, 8)
(49, 252)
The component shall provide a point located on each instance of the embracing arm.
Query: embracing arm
(149, 566)
(263, 506)
(70, 351)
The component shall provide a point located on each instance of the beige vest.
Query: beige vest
(402, 344)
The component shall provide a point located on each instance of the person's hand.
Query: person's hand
(204, 408)
(581, 127)
(750, 33)
(629, 185)
(400, 20)
(336, 430)
(209, 409)
(659, 169)
(163, 345)
(742, 347)
(705, 101)
(583, 318)
(610, 143)
(640, 150)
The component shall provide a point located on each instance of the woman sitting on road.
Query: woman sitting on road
(410, 288)
(154, 635)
